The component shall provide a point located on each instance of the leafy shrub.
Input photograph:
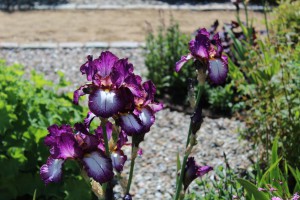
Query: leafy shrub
(163, 51)
(27, 108)
(269, 80)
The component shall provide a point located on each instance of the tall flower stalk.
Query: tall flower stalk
(206, 53)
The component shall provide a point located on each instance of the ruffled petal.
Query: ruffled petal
(218, 70)
(52, 170)
(200, 46)
(105, 63)
(150, 89)
(55, 131)
(118, 160)
(88, 68)
(182, 61)
(98, 166)
(121, 71)
(133, 83)
(67, 147)
(105, 103)
(217, 41)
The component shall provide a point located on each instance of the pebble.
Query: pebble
(155, 170)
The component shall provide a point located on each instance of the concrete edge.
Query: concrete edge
(69, 45)
(207, 7)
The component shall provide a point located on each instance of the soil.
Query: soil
(104, 25)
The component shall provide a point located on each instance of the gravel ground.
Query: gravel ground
(156, 168)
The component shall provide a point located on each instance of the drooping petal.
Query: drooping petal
(98, 166)
(105, 103)
(52, 170)
(118, 160)
(85, 140)
(78, 93)
(218, 70)
(147, 118)
(182, 61)
(130, 123)
(89, 118)
(105, 63)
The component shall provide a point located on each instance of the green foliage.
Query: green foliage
(162, 52)
(27, 108)
(276, 176)
(222, 186)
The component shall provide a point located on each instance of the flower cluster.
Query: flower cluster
(208, 52)
(125, 107)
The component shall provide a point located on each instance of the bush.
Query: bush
(162, 52)
(27, 108)
(269, 81)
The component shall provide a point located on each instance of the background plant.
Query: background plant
(27, 108)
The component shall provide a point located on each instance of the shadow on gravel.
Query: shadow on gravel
(12, 5)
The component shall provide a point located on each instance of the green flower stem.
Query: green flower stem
(103, 124)
(133, 157)
(188, 148)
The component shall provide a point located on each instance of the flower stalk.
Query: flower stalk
(189, 145)
(134, 150)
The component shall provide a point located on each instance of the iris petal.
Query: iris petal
(98, 166)
(182, 61)
(118, 160)
(105, 103)
(52, 170)
(217, 71)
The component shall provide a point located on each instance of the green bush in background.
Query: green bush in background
(27, 108)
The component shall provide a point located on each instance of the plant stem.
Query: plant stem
(133, 156)
(187, 153)
(266, 19)
(103, 124)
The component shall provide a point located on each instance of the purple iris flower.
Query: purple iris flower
(81, 147)
(112, 84)
(139, 121)
(192, 171)
(209, 53)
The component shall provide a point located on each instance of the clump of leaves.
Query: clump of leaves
(162, 52)
(27, 108)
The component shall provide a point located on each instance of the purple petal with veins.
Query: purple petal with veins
(105, 103)
(218, 70)
(52, 170)
(118, 160)
(150, 89)
(98, 166)
(55, 131)
(105, 63)
(121, 71)
(78, 93)
(67, 147)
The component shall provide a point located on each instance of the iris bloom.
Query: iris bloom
(112, 84)
(192, 171)
(139, 121)
(82, 147)
(209, 53)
